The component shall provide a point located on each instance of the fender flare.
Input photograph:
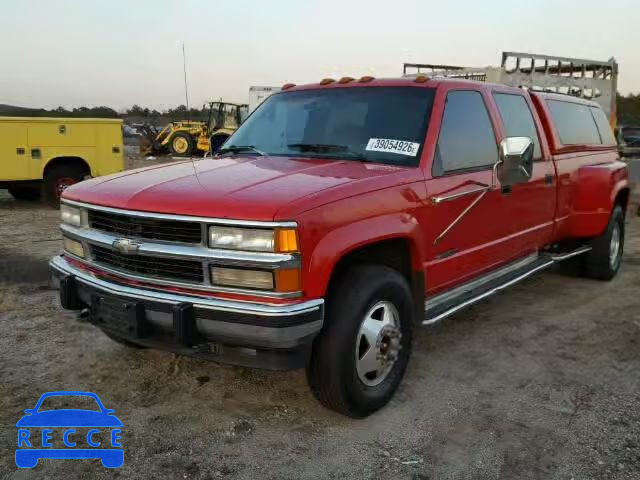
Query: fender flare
(347, 238)
(618, 187)
(595, 192)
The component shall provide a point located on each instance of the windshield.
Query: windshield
(373, 124)
(631, 135)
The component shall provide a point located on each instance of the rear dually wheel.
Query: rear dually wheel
(605, 257)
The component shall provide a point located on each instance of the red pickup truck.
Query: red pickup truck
(339, 217)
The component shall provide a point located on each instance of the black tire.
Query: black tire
(191, 144)
(124, 342)
(59, 177)
(598, 263)
(26, 194)
(331, 371)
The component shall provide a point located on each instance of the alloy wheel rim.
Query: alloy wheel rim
(378, 343)
(614, 247)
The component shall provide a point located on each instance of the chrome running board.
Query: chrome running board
(447, 303)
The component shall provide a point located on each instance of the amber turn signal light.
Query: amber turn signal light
(286, 240)
(287, 280)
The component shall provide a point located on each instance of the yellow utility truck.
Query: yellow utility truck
(40, 157)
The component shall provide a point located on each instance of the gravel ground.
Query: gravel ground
(541, 382)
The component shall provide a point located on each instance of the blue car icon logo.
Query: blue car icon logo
(83, 433)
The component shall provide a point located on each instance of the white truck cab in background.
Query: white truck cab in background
(257, 95)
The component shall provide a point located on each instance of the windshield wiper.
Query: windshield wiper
(328, 148)
(240, 149)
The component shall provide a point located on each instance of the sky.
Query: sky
(119, 53)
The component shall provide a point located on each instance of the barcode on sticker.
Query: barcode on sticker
(389, 145)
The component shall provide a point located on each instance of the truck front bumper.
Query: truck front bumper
(272, 336)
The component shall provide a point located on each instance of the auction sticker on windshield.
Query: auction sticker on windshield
(389, 145)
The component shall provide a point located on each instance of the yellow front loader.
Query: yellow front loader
(186, 137)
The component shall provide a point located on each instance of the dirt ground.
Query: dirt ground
(541, 382)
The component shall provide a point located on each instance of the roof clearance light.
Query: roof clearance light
(346, 80)
(326, 81)
(366, 78)
(288, 85)
(421, 79)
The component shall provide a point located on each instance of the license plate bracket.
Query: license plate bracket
(122, 317)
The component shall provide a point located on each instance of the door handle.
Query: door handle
(448, 198)
(20, 151)
(548, 179)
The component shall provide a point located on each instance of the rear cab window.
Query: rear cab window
(580, 124)
(604, 128)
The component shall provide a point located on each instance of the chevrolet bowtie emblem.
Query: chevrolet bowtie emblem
(125, 245)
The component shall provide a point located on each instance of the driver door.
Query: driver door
(470, 226)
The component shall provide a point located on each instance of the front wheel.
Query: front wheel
(605, 257)
(360, 357)
(182, 144)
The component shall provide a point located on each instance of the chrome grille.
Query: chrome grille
(149, 266)
(144, 227)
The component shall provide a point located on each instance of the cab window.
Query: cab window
(467, 140)
(517, 119)
(604, 128)
(574, 123)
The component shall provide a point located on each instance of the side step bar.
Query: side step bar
(445, 304)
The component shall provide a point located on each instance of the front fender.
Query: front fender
(345, 239)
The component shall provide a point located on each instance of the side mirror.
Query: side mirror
(516, 161)
(29, 410)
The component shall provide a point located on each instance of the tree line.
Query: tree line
(134, 114)
(629, 109)
(628, 112)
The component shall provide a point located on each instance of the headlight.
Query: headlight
(70, 215)
(253, 239)
(258, 240)
(238, 277)
(74, 247)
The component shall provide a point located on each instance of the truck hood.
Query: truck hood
(249, 188)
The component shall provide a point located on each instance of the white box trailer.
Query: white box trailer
(257, 95)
